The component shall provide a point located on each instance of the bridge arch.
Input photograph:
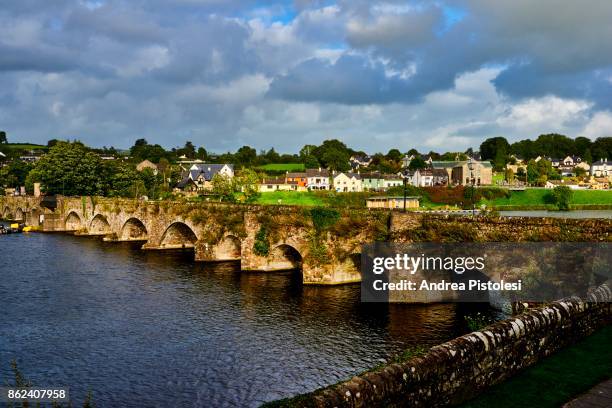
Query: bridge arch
(228, 249)
(19, 215)
(285, 256)
(6, 214)
(178, 235)
(133, 230)
(99, 225)
(73, 222)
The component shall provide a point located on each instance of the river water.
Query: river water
(155, 329)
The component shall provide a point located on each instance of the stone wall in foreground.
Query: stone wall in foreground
(460, 369)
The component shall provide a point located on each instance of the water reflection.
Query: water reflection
(150, 328)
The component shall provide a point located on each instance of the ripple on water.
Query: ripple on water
(156, 329)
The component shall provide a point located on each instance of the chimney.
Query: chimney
(319, 169)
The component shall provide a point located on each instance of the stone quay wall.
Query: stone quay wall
(460, 369)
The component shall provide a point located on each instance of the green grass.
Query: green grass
(290, 198)
(282, 167)
(23, 146)
(537, 197)
(500, 176)
(557, 379)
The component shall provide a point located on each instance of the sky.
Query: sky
(432, 75)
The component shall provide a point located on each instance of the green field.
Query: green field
(537, 197)
(556, 379)
(290, 198)
(282, 167)
(23, 146)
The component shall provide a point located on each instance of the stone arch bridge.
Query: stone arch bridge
(262, 238)
(324, 246)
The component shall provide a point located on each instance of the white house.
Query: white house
(317, 179)
(423, 178)
(392, 180)
(200, 176)
(602, 168)
(347, 182)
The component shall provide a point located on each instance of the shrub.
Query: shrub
(261, 246)
(562, 196)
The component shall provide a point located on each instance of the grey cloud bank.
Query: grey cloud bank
(377, 75)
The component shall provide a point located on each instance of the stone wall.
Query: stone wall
(407, 227)
(460, 369)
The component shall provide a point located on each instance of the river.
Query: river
(156, 329)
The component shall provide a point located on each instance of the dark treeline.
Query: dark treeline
(499, 151)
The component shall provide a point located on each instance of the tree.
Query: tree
(495, 148)
(417, 163)
(581, 145)
(525, 149)
(248, 183)
(245, 156)
(310, 162)
(3, 138)
(14, 174)
(69, 169)
(587, 157)
(580, 172)
(223, 187)
(509, 176)
(394, 155)
(602, 148)
(333, 154)
(554, 145)
(125, 181)
(202, 154)
(562, 197)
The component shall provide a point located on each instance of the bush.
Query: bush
(562, 197)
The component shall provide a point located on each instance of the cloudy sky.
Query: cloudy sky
(439, 75)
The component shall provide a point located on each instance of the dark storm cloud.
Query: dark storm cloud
(351, 80)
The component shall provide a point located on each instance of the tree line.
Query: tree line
(499, 151)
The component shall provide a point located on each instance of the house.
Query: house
(392, 180)
(602, 168)
(274, 184)
(392, 202)
(599, 183)
(202, 174)
(317, 179)
(347, 182)
(423, 178)
(372, 181)
(440, 177)
(517, 159)
(408, 175)
(358, 161)
(557, 183)
(459, 172)
(146, 164)
(298, 178)
(281, 184)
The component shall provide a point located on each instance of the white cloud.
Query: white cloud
(599, 125)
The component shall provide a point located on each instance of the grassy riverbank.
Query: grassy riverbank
(557, 379)
(538, 199)
(530, 199)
